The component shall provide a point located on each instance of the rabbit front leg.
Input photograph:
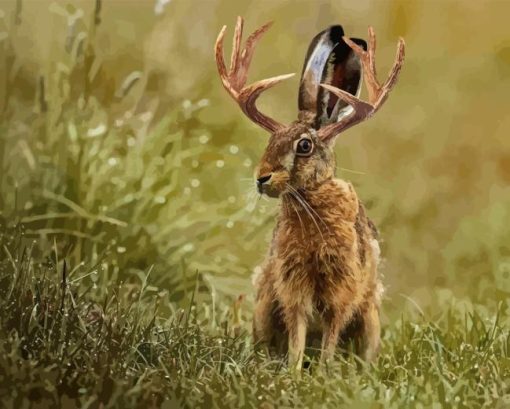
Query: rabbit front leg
(295, 298)
(332, 323)
(295, 321)
(262, 319)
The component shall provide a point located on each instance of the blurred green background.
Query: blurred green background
(119, 146)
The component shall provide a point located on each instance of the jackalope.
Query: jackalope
(321, 270)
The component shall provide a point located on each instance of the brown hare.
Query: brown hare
(322, 263)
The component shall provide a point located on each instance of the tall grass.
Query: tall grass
(66, 345)
(97, 169)
(121, 151)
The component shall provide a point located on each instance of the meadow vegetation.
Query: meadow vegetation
(129, 227)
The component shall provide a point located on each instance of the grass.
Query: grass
(65, 345)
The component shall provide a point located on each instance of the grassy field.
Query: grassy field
(69, 340)
(129, 227)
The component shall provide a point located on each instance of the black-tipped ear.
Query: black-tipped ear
(329, 60)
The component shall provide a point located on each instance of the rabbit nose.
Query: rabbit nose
(263, 179)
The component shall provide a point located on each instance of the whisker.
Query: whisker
(298, 215)
(250, 193)
(264, 197)
(356, 172)
(306, 208)
(251, 198)
(309, 206)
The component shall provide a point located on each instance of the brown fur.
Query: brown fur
(322, 266)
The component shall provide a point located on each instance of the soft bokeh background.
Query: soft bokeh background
(119, 146)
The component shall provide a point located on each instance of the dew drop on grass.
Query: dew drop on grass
(247, 163)
(121, 250)
(220, 163)
(203, 103)
(203, 139)
(233, 149)
(230, 224)
(97, 131)
(188, 247)
(146, 116)
(195, 183)
(160, 6)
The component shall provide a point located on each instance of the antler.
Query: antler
(234, 79)
(377, 93)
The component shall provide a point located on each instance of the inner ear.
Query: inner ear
(331, 61)
(343, 70)
(316, 62)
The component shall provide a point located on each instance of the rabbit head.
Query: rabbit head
(300, 155)
(294, 158)
(296, 155)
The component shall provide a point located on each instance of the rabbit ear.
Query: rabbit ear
(329, 61)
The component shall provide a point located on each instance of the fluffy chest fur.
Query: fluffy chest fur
(318, 227)
(316, 244)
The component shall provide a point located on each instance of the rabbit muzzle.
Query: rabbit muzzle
(272, 184)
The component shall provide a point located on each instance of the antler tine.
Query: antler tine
(371, 49)
(222, 69)
(397, 66)
(377, 94)
(236, 45)
(249, 49)
(234, 79)
(248, 96)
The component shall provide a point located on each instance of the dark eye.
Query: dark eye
(304, 147)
